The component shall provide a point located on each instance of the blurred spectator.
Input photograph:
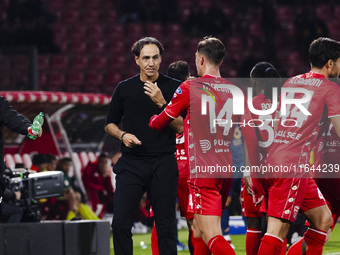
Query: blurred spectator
(98, 184)
(73, 194)
(40, 162)
(52, 162)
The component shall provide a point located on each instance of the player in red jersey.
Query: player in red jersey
(326, 156)
(207, 195)
(291, 150)
(264, 77)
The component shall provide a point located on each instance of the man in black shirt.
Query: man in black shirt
(148, 162)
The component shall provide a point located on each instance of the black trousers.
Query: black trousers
(158, 176)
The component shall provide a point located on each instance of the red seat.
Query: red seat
(175, 46)
(77, 47)
(154, 28)
(93, 5)
(95, 78)
(117, 64)
(174, 31)
(60, 62)
(255, 29)
(71, 16)
(285, 14)
(27, 160)
(9, 161)
(98, 62)
(334, 30)
(42, 80)
(75, 4)
(97, 47)
(60, 31)
(55, 5)
(78, 32)
(115, 32)
(234, 44)
(75, 79)
(43, 62)
(21, 62)
(113, 78)
(116, 47)
(56, 81)
(6, 63)
(109, 16)
(96, 32)
(79, 61)
(90, 16)
(324, 12)
(337, 11)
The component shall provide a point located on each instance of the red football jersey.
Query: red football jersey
(292, 145)
(265, 129)
(181, 156)
(206, 105)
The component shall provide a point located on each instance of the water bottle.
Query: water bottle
(37, 124)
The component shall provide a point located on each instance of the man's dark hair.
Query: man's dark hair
(212, 48)
(138, 46)
(179, 70)
(323, 49)
(266, 74)
(64, 160)
(103, 155)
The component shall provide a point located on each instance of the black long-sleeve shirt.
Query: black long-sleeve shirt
(130, 104)
(14, 121)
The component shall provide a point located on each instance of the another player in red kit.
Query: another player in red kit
(264, 77)
(293, 192)
(207, 193)
(326, 156)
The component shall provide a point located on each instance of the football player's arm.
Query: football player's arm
(160, 121)
(336, 123)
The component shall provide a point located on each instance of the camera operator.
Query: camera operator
(16, 122)
(12, 212)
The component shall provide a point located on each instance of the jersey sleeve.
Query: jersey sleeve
(332, 101)
(115, 111)
(179, 102)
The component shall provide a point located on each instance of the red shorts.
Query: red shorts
(248, 207)
(208, 196)
(183, 197)
(287, 196)
(330, 189)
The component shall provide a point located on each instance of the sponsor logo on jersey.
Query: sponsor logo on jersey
(205, 145)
